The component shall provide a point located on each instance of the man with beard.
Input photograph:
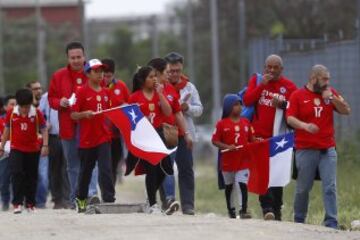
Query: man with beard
(311, 114)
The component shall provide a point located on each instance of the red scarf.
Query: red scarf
(181, 83)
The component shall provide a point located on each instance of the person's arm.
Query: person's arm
(81, 115)
(192, 106)
(180, 121)
(298, 124)
(223, 146)
(4, 138)
(341, 106)
(56, 101)
(45, 138)
(254, 90)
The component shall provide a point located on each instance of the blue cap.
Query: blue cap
(229, 101)
(93, 64)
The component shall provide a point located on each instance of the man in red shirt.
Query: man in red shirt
(311, 114)
(63, 86)
(119, 94)
(95, 135)
(22, 125)
(270, 99)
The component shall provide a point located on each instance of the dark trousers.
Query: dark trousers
(272, 201)
(116, 155)
(184, 162)
(88, 158)
(59, 182)
(24, 174)
(5, 181)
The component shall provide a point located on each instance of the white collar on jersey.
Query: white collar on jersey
(32, 112)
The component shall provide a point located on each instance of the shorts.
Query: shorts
(238, 176)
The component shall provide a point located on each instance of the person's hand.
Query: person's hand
(64, 102)
(184, 107)
(311, 128)
(44, 150)
(231, 147)
(266, 78)
(327, 94)
(159, 87)
(88, 114)
(188, 140)
(277, 101)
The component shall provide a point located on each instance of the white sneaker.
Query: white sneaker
(30, 209)
(155, 209)
(17, 209)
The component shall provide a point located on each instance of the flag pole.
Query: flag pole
(114, 108)
(228, 150)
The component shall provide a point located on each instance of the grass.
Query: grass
(210, 199)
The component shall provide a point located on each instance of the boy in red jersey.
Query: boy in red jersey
(22, 124)
(311, 113)
(231, 132)
(119, 94)
(94, 135)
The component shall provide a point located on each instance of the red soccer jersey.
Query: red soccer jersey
(173, 98)
(310, 107)
(24, 130)
(150, 108)
(261, 96)
(93, 131)
(118, 93)
(233, 133)
(2, 125)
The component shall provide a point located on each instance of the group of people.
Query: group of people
(84, 149)
(308, 111)
(62, 134)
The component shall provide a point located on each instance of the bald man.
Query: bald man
(311, 114)
(270, 98)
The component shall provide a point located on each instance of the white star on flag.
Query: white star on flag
(133, 115)
(281, 144)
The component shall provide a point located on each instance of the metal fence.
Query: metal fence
(342, 59)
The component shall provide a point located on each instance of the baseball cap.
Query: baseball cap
(93, 64)
(174, 57)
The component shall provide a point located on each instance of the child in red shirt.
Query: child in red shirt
(95, 135)
(231, 133)
(22, 124)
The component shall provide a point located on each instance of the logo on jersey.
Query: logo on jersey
(282, 90)
(246, 128)
(106, 98)
(98, 98)
(237, 128)
(151, 107)
(78, 80)
(171, 98)
(117, 91)
(317, 101)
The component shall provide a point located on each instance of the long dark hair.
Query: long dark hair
(140, 77)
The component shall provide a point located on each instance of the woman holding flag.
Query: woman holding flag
(148, 93)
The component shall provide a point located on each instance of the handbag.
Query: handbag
(171, 135)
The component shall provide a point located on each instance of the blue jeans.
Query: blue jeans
(307, 160)
(5, 181)
(169, 182)
(42, 182)
(71, 153)
(184, 162)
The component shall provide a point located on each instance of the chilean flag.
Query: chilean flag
(140, 137)
(270, 163)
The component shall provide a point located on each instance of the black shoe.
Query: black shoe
(232, 213)
(188, 211)
(244, 214)
(93, 200)
(172, 206)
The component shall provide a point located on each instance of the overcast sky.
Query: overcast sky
(111, 8)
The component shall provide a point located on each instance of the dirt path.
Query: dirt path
(66, 224)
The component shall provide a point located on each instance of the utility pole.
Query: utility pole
(41, 41)
(190, 42)
(216, 89)
(155, 37)
(242, 42)
(2, 81)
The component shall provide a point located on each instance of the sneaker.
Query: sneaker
(30, 208)
(269, 216)
(93, 200)
(244, 215)
(232, 213)
(172, 206)
(17, 208)
(81, 205)
(189, 211)
(155, 209)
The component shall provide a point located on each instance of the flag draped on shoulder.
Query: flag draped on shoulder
(140, 137)
(270, 163)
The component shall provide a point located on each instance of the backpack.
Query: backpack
(248, 111)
